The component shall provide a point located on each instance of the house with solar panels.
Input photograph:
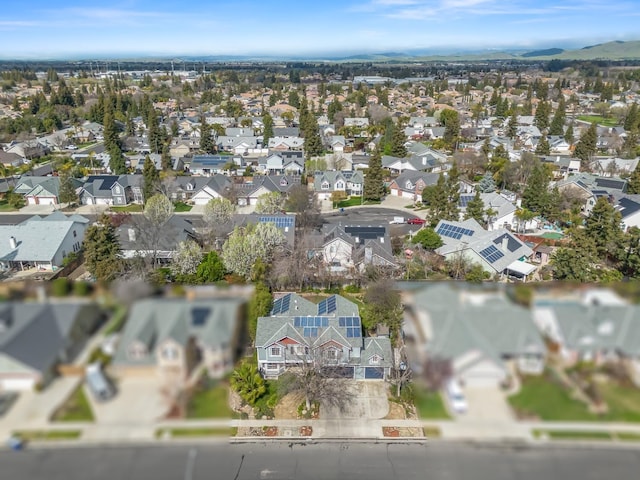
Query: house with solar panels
(284, 222)
(504, 216)
(499, 252)
(350, 248)
(330, 332)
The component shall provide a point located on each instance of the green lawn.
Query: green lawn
(211, 402)
(5, 207)
(542, 397)
(31, 435)
(75, 409)
(430, 404)
(573, 435)
(182, 207)
(628, 436)
(623, 402)
(129, 208)
(355, 201)
(599, 119)
(196, 432)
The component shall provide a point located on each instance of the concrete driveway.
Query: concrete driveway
(369, 402)
(33, 409)
(487, 403)
(137, 401)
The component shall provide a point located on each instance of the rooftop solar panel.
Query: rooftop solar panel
(491, 254)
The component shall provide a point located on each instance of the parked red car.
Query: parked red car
(416, 221)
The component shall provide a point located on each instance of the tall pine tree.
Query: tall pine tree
(374, 180)
(586, 146)
(150, 178)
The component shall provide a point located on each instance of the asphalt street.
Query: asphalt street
(219, 461)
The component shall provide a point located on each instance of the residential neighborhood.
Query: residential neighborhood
(306, 252)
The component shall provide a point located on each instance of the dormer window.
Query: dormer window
(283, 182)
(189, 186)
(408, 185)
(116, 189)
(325, 185)
(375, 360)
(340, 185)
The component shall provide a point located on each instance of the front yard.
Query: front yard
(75, 409)
(430, 405)
(209, 399)
(545, 397)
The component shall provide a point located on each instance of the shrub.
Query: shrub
(352, 289)
(60, 287)
(81, 289)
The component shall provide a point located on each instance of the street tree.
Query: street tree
(315, 378)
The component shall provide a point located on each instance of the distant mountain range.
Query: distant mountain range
(616, 50)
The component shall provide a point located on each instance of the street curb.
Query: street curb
(318, 440)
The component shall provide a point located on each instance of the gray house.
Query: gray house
(484, 335)
(169, 338)
(119, 190)
(36, 337)
(41, 242)
(299, 331)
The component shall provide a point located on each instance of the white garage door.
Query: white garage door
(16, 384)
(201, 201)
(47, 201)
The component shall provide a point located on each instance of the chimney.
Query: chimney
(505, 242)
(132, 234)
(12, 242)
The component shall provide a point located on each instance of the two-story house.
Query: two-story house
(118, 190)
(330, 333)
(169, 338)
(349, 182)
(410, 184)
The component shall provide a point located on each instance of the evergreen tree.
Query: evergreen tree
(452, 188)
(541, 118)
(102, 250)
(536, 193)
(501, 108)
(437, 200)
(166, 158)
(475, 209)
(150, 178)
(603, 227)
(267, 132)
(67, 192)
(312, 142)
(398, 140)
(632, 117)
(117, 163)
(512, 126)
(487, 183)
(207, 144)
(633, 185)
(543, 147)
(110, 133)
(586, 146)
(557, 124)
(373, 180)
(451, 120)
(568, 135)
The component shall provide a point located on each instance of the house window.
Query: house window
(272, 366)
(189, 186)
(116, 189)
(325, 186)
(136, 352)
(408, 185)
(339, 186)
(276, 351)
(169, 353)
(374, 360)
(75, 234)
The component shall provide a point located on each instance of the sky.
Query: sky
(129, 28)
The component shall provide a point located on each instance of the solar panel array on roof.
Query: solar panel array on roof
(366, 232)
(349, 321)
(610, 183)
(281, 305)
(454, 232)
(465, 199)
(354, 332)
(199, 316)
(280, 222)
(328, 305)
(310, 332)
(311, 322)
(491, 254)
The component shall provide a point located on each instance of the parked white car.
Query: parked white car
(455, 396)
